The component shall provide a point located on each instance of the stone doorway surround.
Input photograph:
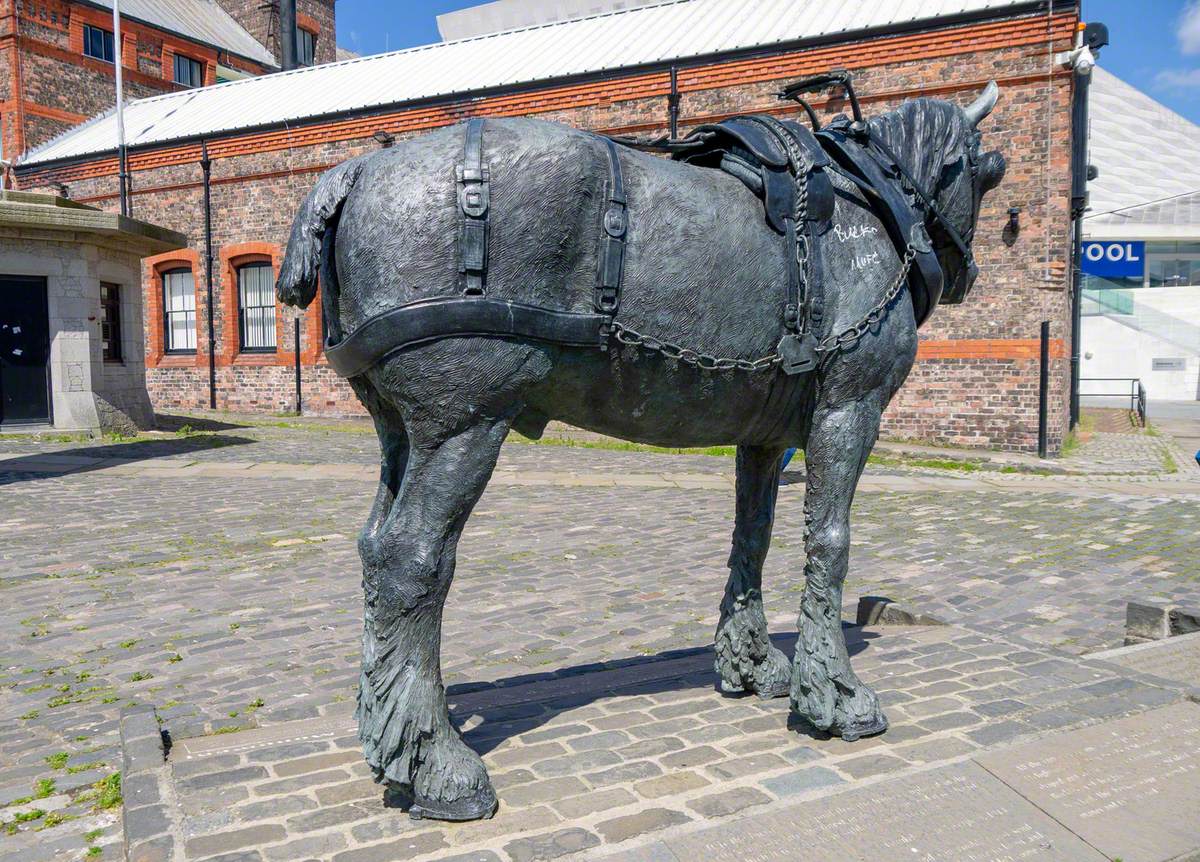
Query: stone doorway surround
(76, 247)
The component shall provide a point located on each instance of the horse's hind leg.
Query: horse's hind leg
(745, 659)
(408, 562)
(825, 690)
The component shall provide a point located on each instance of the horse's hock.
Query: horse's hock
(763, 288)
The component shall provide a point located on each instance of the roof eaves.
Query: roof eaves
(1013, 9)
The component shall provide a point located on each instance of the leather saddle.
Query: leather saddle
(773, 158)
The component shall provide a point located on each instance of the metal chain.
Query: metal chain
(849, 337)
(707, 361)
(841, 341)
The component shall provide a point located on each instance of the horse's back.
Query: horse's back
(698, 251)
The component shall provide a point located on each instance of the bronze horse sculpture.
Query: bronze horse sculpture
(539, 272)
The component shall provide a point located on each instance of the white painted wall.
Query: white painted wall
(1165, 324)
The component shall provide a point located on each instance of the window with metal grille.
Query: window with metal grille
(188, 72)
(110, 321)
(306, 47)
(179, 311)
(98, 43)
(256, 307)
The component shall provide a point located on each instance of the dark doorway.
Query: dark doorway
(24, 351)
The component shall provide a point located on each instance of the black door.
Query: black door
(24, 350)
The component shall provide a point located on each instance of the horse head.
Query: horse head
(967, 174)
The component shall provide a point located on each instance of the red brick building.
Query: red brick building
(57, 56)
(976, 380)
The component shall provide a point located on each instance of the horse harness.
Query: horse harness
(782, 162)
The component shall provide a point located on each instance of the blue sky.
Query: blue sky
(1155, 43)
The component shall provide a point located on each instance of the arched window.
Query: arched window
(179, 311)
(256, 307)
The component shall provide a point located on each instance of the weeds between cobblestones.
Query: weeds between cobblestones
(228, 604)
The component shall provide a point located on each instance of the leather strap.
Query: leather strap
(474, 198)
(904, 224)
(612, 241)
(445, 317)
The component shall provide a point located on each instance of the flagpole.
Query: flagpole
(123, 167)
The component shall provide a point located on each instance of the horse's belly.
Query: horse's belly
(646, 398)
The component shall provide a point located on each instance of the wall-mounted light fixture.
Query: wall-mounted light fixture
(1014, 221)
(385, 139)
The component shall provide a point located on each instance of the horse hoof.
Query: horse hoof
(481, 806)
(770, 693)
(855, 732)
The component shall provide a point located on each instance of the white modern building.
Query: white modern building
(1141, 291)
(511, 14)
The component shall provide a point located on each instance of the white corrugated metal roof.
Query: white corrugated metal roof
(201, 20)
(631, 37)
(1148, 158)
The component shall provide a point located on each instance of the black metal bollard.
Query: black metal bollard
(296, 334)
(1044, 389)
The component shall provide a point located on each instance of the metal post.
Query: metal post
(122, 158)
(287, 34)
(296, 335)
(206, 167)
(673, 103)
(1044, 390)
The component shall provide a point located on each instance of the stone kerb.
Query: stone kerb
(145, 788)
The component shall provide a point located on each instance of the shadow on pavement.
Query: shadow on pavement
(516, 705)
(171, 422)
(84, 459)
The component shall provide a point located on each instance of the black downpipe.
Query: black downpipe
(123, 178)
(1044, 391)
(1095, 37)
(287, 34)
(206, 166)
(296, 334)
(673, 104)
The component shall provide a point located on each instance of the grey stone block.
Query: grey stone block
(141, 740)
(146, 822)
(633, 825)
(161, 849)
(549, 846)
(882, 611)
(1145, 622)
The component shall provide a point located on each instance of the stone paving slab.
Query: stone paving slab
(1130, 788)
(1176, 659)
(958, 813)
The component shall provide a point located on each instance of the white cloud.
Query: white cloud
(1178, 79)
(1189, 28)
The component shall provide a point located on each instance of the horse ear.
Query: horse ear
(982, 106)
(992, 168)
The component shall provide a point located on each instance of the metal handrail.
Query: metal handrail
(1136, 394)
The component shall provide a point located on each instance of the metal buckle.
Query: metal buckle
(797, 354)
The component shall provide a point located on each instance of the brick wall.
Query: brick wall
(262, 22)
(54, 86)
(975, 382)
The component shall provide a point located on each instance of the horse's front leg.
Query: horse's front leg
(825, 690)
(745, 659)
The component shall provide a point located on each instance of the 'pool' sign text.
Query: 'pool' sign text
(1114, 259)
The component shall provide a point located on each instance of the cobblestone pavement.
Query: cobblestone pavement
(231, 599)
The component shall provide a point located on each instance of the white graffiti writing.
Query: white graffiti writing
(855, 231)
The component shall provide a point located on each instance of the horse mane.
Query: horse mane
(925, 134)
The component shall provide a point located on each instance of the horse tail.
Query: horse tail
(297, 282)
